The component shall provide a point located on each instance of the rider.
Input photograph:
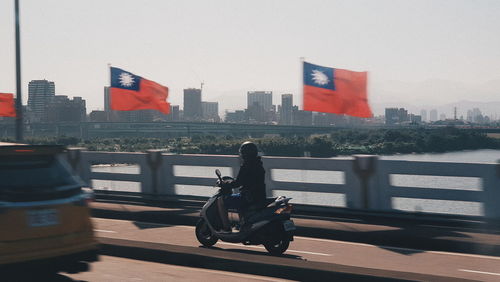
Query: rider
(251, 180)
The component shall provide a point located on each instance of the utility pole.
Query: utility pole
(19, 102)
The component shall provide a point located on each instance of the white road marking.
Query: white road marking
(398, 248)
(145, 223)
(326, 241)
(480, 272)
(326, 218)
(104, 231)
(259, 247)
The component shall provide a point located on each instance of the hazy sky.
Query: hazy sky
(420, 52)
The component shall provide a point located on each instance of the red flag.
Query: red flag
(336, 91)
(130, 92)
(7, 108)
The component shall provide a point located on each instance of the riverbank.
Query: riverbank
(342, 142)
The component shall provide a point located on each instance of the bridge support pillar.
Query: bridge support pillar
(154, 161)
(491, 187)
(364, 166)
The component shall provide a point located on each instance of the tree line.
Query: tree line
(341, 142)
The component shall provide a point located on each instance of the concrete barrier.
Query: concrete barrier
(366, 182)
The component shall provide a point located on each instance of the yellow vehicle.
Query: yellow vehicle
(44, 214)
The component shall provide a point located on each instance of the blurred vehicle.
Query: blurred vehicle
(44, 214)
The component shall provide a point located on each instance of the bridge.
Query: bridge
(359, 218)
(183, 128)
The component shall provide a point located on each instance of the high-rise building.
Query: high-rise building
(415, 119)
(477, 116)
(286, 109)
(256, 113)
(301, 118)
(391, 115)
(174, 113)
(263, 98)
(395, 115)
(40, 93)
(192, 104)
(236, 117)
(98, 116)
(423, 114)
(210, 111)
(433, 115)
(62, 109)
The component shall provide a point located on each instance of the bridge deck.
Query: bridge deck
(401, 249)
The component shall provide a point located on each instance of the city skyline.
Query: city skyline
(419, 52)
(447, 110)
(43, 104)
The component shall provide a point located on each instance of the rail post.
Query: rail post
(498, 169)
(154, 160)
(74, 157)
(491, 190)
(77, 162)
(364, 167)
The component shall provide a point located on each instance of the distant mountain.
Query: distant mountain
(436, 94)
(487, 108)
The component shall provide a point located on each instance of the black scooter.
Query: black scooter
(270, 226)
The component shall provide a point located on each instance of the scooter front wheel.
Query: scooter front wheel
(204, 234)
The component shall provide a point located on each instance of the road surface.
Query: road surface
(114, 269)
(444, 264)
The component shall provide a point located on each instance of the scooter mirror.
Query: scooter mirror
(219, 175)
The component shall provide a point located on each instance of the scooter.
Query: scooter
(270, 226)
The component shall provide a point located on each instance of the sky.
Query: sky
(419, 53)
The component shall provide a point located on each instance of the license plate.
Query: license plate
(45, 217)
(288, 225)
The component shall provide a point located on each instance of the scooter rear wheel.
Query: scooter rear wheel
(204, 234)
(277, 248)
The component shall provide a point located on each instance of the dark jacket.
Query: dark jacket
(251, 179)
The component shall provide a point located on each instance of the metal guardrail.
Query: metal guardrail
(367, 182)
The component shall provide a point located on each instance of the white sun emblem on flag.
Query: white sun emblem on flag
(319, 77)
(126, 79)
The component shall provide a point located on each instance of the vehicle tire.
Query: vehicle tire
(278, 247)
(204, 234)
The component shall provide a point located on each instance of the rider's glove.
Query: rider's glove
(223, 184)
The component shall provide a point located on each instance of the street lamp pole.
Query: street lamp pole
(19, 102)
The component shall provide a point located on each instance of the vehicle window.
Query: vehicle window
(27, 172)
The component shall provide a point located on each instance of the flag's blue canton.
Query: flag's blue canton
(116, 81)
(308, 76)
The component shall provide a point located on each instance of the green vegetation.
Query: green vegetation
(342, 142)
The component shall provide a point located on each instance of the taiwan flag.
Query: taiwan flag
(7, 108)
(336, 91)
(130, 92)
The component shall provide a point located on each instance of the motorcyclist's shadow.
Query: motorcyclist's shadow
(252, 252)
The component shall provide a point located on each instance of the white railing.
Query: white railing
(359, 182)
